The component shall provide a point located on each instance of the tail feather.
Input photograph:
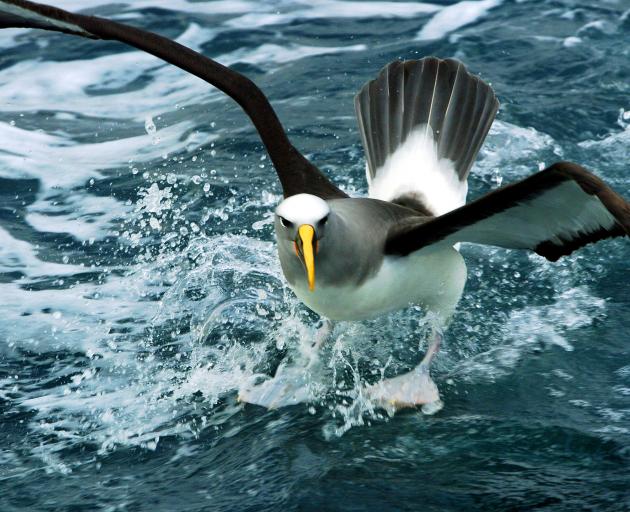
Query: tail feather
(422, 123)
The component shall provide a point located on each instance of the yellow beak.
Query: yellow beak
(306, 233)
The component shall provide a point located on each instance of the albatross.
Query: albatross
(422, 123)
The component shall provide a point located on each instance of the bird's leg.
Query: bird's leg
(321, 336)
(433, 348)
(413, 388)
(291, 384)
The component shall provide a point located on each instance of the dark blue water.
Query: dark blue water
(139, 286)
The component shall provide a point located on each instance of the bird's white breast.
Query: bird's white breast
(432, 278)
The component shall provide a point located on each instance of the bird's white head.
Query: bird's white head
(301, 220)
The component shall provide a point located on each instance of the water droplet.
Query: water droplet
(154, 223)
(149, 125)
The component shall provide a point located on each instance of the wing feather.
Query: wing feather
(553, 213)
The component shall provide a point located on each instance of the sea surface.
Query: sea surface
(140, 289)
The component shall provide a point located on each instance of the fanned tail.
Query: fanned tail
(422, 124)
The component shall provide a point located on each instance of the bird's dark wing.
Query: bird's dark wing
(297, 175)
(553, 213)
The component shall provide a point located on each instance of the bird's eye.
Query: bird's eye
(324, 220)
(286, 223)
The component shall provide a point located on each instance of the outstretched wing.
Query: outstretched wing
(297, 175)
(553, 213)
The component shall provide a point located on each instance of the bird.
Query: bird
(422, 123)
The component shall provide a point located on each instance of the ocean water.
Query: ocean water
(139, 286)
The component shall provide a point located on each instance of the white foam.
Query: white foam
(571, 41)
(511, 152)
(195, 35)
(455, 17)
(58, 162)
(10, 35)
(86, 217)
(35, 85)
(531, 328)
(597, 27)
(327, 9)
(273, 53)
(20, 256)
(215, 7)
(614, 146)
(303, 9)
